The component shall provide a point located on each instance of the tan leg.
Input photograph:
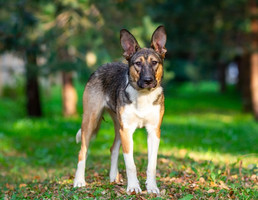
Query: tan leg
(93, 108)
(86, 132)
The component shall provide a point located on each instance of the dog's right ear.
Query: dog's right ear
(128, 43)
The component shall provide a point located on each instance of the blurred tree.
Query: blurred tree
(19, 34)
(202, 34)
(69, 26)
(253, 6)
(210, 34)
(248, 67)
(203, 37)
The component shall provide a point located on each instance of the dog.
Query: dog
(133, 96)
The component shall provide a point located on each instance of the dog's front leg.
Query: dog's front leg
(127, 145)
(153, 146)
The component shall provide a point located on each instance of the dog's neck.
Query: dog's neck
(143, 97)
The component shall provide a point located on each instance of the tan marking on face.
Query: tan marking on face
(140, 59)
(162, 109)
(134, 74)
(159, 73)
(152, 58)
(159, 68)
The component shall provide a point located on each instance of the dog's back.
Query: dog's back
(109, 79)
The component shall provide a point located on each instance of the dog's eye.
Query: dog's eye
(154, 62)
(138, 63)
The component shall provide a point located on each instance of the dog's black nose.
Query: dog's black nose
(148, 80)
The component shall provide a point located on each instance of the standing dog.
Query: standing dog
(133, 96)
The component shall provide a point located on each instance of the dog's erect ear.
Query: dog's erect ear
(128, 43)
(158, 41)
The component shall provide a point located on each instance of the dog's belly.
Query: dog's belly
(140, 117)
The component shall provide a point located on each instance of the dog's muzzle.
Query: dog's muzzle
(147, 82)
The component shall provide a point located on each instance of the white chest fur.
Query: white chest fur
(141, 112)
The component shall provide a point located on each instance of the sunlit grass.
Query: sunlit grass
(199, 124)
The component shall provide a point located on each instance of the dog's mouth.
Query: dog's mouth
(146, 85)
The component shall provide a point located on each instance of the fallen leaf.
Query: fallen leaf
(210, 191)
(10, 187)
(96, 174)
(163, 192)
(164, 160)
(213, 184)
(254, 177)
(222, 185)
(202, 180)
(37, 177)
(172, 190)
(22, 185)
(132, 193)
(232, 195)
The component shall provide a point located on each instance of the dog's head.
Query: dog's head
(145, 64)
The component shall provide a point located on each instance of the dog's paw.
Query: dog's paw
(152, 188)
(116, 179)
(79, 183)
(134, 189)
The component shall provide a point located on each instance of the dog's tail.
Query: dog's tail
(78, 136)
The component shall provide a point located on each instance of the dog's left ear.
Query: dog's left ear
(158, 41)
(128, 43)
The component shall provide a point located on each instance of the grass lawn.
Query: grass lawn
(208, 150)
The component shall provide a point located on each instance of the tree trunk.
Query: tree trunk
(254, 57)
(69, 95)
(222, 76)
(254, 83)
(32, 86)
(248, 64)
(1, 79)
(244, 81)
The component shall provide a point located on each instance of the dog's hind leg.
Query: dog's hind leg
(114, 173)
(93, 108)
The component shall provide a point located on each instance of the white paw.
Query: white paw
(114, 177)
(153, 190)
(135, 188)
(79, 183)
(152, 187)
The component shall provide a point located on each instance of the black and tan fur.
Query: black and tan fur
(132, 94)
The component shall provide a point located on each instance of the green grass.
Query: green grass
(208, 150)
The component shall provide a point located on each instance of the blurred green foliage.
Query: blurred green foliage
(200, 33)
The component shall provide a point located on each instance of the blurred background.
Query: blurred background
(61, 42)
